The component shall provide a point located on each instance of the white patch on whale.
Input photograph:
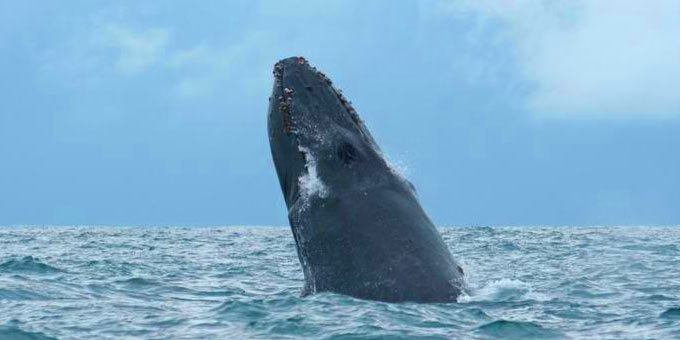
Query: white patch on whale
(310, 183)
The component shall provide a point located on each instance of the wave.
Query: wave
(671, 313)
(16, 333)
(27, 264)
(138, 282)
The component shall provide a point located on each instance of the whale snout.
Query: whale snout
(311, 108)
(307, 101)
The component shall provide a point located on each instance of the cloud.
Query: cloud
(205, 68)
(197, 70)
(585, 58)
(138, 50)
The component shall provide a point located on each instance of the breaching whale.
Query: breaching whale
(358, 225)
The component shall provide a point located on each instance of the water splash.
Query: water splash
(503, 290)
(397, 167)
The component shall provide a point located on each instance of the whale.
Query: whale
(357, 222)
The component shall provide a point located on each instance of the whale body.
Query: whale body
(358, 225)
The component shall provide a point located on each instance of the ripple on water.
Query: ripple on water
(19, 294)
(14, 332)
(505, 329)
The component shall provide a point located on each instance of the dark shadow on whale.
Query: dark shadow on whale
(358, 225)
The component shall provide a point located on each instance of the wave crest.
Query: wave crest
(26, 264)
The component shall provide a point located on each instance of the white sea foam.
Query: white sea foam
(503, 290)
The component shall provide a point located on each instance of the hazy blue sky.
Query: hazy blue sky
(503, 112)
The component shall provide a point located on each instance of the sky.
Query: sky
(561, 112)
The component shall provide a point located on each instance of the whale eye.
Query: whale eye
(347, 153)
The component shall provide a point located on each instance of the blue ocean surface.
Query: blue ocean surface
(244, 282)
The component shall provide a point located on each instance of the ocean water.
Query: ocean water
(244, 282)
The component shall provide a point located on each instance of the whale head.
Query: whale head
(319, 144)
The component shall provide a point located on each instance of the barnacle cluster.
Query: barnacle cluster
(286, 100)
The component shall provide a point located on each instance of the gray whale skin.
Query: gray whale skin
(358, 226)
